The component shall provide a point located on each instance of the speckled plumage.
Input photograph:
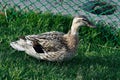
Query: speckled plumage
(52, 46)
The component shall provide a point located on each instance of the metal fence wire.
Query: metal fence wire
(105, 10)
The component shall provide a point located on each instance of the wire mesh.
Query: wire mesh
(105, 10)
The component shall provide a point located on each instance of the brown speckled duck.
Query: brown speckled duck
(53, 46)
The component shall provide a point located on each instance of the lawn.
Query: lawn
(98, 52)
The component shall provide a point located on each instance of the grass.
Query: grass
(98, 52)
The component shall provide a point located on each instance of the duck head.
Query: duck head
(80, 21)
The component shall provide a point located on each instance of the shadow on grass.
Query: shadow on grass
(95, 67)
(80, 67)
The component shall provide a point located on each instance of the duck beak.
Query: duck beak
(90, 24)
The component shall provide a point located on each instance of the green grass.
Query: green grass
(98, 53)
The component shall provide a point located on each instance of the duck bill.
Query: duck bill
(90, 24)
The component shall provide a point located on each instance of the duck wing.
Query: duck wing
(47, 42)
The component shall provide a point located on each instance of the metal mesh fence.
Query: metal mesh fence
(105, 10)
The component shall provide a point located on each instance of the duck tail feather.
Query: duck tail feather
(17, 46)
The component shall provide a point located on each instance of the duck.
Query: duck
(53, 45)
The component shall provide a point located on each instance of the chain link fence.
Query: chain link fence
(99, 10)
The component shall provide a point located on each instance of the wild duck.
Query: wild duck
(53, 46)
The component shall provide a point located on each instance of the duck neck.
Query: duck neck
(72, 38)
(74, 30)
